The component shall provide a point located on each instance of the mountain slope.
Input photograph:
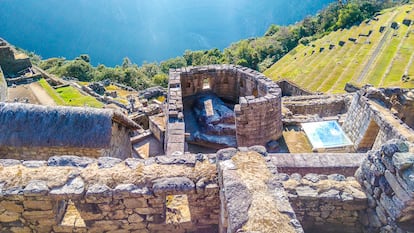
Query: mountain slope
(379, 57)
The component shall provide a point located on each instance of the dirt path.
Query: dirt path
(41, 95)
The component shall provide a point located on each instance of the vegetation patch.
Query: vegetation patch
(73, 97)
(51, 92)
(367, 55)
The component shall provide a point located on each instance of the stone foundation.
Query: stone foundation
(386, 178)
(326, 203)
(109, 194)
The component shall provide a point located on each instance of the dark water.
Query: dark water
(143, 30)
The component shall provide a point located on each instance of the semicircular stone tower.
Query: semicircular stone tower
(256, 100)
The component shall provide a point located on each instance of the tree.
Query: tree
(79, 69)
(273, 29)
(349, 15)
(172, 63)
(161, 80)
(85, 57)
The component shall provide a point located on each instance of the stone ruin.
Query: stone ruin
(243, 189)
(17, 67)
(255, 100)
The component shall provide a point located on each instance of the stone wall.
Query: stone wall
(43, 153)
(10, 64)
(369, 125)
(258, 120)
(319, 163)
(290, 89)
(386, 176)
(321, 105)
(157, 127)
(326, 203)
(259, 108)
(174, 141)
(119, 147)
(3, 87)
(252, 203)
(108, 195)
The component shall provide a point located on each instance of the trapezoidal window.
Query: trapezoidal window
(206, 83)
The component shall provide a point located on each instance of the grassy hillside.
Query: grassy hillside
(69, 96)
(378, 58)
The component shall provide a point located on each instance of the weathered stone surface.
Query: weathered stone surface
(389, 149)
(408, 176)
(395, 185)
(259, 149)
(9, 216)
(38, 205)
(403, 161)
(135, 218)
(11, 206)
(34, 163)
(330, 194)
(9, 162)
(225, 154)
(75, 186)
(238, 199)
(123, 190)
(173, 184)
(35, 188)
(373, 219)
(311, 177)
(182, 159)
(98, 193)
(108, 162)
(38, 215)
(134, 163)
(132, 203)
(69, 160)
(337, 177)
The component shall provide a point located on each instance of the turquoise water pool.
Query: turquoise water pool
(326, 134)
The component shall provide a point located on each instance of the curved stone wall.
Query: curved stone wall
(258, 112)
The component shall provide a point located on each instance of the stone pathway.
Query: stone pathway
(41, 95)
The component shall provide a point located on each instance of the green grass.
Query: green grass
(69, 96)
(73, 97)
(51, 92)
(330, 70)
